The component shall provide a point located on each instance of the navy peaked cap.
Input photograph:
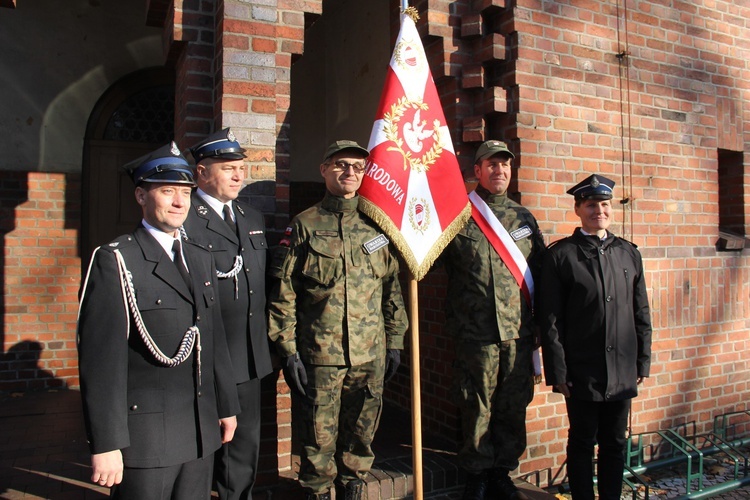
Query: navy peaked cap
(222, 144)
(593, 187)
(165, 165)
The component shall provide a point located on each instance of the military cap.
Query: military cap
(593, 187)
(489, 149)
(338, 146)
(222, 144)
(165, 165)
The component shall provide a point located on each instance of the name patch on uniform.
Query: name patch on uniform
(326, 233)
(375, 244)
(521, 233)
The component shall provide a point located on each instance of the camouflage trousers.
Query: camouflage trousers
(336, 423)
(493, 387)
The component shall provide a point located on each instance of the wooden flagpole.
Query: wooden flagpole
(416, 386)
(416, 389)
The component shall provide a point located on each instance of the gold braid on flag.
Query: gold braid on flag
(418, 272)
(412, 12)
(421, 164)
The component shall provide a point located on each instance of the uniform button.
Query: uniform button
(158, 301)
(200, 394)
(608, 395)
(250, 315)
(198, 318)
(134, 408)
(247, 270)
(210, 245)
(242, 249)
(212, 299)
(601, 251)
(609, 348)
(609, 298)
(250, 292)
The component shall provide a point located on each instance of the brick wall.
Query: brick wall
(546, 77)
(652, 103)
(39, 220)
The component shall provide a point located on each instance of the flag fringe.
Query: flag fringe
(418, 271)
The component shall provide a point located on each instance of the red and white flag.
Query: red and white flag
(413, 188)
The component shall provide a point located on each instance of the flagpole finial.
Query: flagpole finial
(412, 12)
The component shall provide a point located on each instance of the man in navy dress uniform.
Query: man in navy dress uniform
(156, 378)
(234, 233)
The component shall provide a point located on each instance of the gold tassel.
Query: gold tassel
(412, 12)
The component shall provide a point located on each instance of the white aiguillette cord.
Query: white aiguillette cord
(232, 273)
(190, 340)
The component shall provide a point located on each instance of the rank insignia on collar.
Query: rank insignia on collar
(239, 209)
(202, 210)
(114, 243)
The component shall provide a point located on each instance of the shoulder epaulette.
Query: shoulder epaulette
(626, 241)
(556, 242)
(121, 241)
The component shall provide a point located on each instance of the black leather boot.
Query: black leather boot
(355, 490)
(501, 486)
(318, 496)
(476, 486)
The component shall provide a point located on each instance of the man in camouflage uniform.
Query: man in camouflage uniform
(337, 318)
(491, 323)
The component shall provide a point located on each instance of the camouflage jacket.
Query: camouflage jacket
(336, 298)
(485, 303)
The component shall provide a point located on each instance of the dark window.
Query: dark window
(147, 117)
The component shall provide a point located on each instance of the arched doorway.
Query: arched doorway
(134, 116)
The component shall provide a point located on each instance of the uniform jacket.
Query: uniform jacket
(593, 311)
(335, 302)
(485, 303)
(157, 416)
(244, 308)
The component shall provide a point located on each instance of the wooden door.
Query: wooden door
(135, 116)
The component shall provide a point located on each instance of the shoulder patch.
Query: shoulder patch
(375, 244)
(520, 233)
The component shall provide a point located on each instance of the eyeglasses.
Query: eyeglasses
(342, 166)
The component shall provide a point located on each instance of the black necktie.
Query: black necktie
(228, 219)
(177, 249)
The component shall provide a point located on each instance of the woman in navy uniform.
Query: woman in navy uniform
(596, 337)
(156, 378)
